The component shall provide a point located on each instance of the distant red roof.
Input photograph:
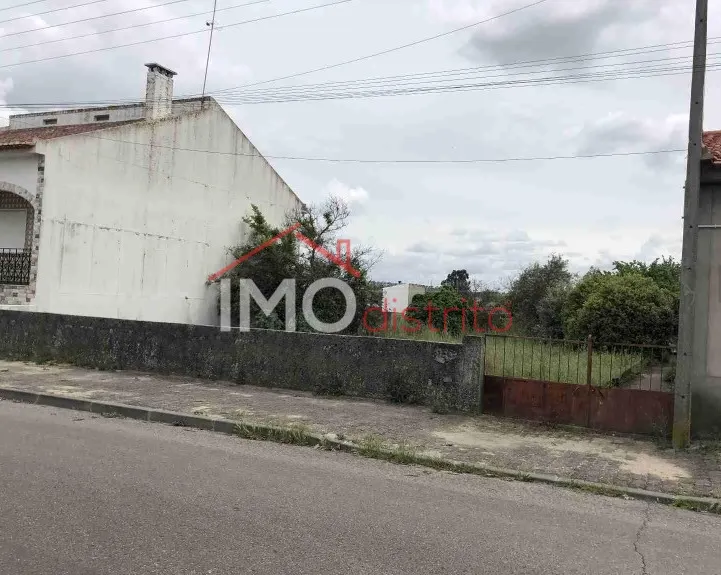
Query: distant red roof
(712, 146)
(29, 136)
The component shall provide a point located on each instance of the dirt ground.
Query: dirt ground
(512, 444)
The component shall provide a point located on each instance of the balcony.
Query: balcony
(15, 266)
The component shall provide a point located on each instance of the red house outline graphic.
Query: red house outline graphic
(336, 258)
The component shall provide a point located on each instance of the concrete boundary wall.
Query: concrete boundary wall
(443, 374)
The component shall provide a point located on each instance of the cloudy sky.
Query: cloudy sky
(489, 218)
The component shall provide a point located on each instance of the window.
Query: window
(102, 117)
(50, 121)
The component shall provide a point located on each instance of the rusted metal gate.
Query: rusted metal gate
(634, 396)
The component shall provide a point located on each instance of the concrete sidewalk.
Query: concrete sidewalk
(575, 454)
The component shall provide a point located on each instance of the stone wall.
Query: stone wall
(403, 370)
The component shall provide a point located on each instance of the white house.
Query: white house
(124, 211)
(396, 298)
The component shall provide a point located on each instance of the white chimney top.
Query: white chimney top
(158, 92)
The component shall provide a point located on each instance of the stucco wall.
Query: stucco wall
(425, 372)
(133, 225)
(706, 384)
(19, 168)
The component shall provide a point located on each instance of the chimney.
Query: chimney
(158, 92)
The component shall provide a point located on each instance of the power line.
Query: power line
(548, 81)
(389, 50)
(544, 81)
(525, 63)
(444, 76)
(631, 73)
(180, 35)
(131, 27)
(53, 10)
(460, 71)
(61, 24)
(23, 5)
(393, 161)
(397, 161)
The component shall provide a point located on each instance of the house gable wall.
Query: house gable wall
(134, 224)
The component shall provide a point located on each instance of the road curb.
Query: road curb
(289, 435)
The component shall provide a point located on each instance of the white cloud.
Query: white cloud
(6, 111)
(356, 198)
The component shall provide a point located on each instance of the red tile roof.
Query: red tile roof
(712, 146)
(29, 136)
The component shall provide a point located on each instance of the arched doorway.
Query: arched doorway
(17, 221)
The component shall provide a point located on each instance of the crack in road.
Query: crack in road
(637, 542)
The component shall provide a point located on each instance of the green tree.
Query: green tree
(449, 311)
(441, 310)
(458, 280)
(582, 301)
(620, 308)
(665, 272)
(532, 292)
(288, 258)
(550, 310)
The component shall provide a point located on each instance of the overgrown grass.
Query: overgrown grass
(565, 362)
(423, 335)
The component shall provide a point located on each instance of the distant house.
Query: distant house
(398, 297)
(124, 211)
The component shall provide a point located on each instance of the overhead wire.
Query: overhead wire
(390, 50)
(83, 4)
(468, 87)
(173, 36)
(89, 19)
(523, 64)
(442, 77)
(398, 161)
(518, 80)
(367, 92)
(131, 27)
(22, 5)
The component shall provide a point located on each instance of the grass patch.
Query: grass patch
(700, 506)
(423, 335)
(296, 434)
(567, 362)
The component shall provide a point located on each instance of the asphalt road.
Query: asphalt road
(81, 494)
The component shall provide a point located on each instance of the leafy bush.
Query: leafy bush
(537, 296)
(626, 308)
(287, 258)
(449, 313)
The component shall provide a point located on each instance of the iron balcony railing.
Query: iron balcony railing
(14, 266)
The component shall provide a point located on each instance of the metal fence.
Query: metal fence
(15, 266)
(629, 366)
